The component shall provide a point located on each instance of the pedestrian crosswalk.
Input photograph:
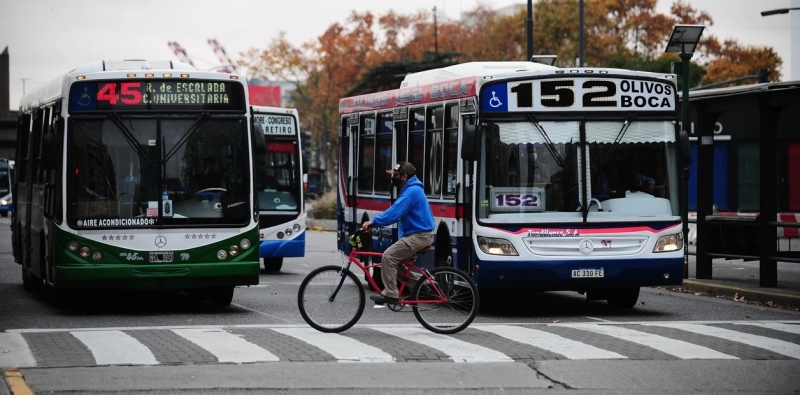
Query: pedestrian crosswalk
(400, 343)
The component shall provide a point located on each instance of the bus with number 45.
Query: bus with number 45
(539, 178)
(137, 175)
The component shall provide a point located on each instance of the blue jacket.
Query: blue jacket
(411, 208)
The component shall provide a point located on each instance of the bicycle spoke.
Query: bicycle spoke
(460, 305)
(324, 310)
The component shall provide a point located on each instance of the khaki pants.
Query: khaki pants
(403, 249)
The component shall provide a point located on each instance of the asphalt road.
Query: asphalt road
(670, 343)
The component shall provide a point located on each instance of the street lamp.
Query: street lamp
(778, 11)
(684, 40)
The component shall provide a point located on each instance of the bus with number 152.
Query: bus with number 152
(137, 175)
(539, 178)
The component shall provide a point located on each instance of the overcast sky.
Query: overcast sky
(46, 38)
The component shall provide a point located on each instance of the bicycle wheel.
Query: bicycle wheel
(460, 308)
(328, 314)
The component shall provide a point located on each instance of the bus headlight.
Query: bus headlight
(495, 246)
(72, 245)
(667, 243)
(288, 232)
(245, 243)
(97, 255)
(233, 250)
(85, 251)
(222, 254)
(296, 227)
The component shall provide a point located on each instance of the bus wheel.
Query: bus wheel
(29, 282)
(273, 265)
(624, 298)
(220, 296)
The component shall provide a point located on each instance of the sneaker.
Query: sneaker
(380, 299)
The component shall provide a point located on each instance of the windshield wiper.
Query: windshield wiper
(548, 142)
(131, 139)
(185, 137)
(620, 135)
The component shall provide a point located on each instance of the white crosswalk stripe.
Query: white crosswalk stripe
(678, 348)
(227, 347)
(115, 348)
(345, 349)
(14, 351)
(567, 347)
(774, 345)
(458, 350)
(778, 326)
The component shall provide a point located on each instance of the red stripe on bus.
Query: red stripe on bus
(440, 210)
(789, 232)
(446, 90)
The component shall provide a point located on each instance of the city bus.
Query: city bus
(539, 178)
(279, 182)
(6, 202)
(137, 175)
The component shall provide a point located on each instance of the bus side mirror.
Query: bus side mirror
(469, 138)
(259, 142)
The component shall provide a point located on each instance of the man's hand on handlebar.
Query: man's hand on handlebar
(366, 225)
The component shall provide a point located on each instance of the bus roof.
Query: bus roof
(470, 69)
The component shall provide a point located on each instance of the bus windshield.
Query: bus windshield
(278, 177)
(139, 171)
(537, 172)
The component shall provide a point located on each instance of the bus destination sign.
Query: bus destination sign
(579, 94)
(281, 125)
(154, 95)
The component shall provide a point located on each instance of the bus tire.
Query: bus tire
(30, 283)
(220, 296)
(273, 265)
(623, 298)
(443, 250)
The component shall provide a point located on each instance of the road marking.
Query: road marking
(678, 348)
(774, 345)
(16, 382)
(344, 348)
(14, 351)
(545, 340)
(791, 328)
(458, 350)
(115, 348)
(226, 347)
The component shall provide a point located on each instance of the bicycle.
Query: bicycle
(332, 298)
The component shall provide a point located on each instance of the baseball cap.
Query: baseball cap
(403, 168)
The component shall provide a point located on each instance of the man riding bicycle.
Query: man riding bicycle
(412, 211)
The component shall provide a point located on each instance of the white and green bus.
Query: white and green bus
(137, 175)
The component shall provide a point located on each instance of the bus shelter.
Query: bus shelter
(763, 161)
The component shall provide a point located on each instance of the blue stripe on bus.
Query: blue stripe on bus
(284, 248)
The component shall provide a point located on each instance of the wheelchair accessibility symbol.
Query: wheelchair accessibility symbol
(494, 102)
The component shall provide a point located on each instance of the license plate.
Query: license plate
(588, 273)
(160, 257)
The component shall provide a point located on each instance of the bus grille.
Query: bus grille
(586, 245)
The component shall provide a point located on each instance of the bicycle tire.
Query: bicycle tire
(457, 312)
(323, 314)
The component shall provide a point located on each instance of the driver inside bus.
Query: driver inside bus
(211, 177)
(413, 212)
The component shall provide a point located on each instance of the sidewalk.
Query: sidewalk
(739, 280)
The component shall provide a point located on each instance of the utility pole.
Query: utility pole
(435, 34)
(529, 29)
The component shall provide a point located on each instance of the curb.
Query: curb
(775, 298)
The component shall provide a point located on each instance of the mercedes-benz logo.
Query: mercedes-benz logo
(161, 241)
(586, 246)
